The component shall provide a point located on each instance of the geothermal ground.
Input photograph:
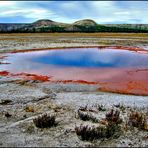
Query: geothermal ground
(24, 99)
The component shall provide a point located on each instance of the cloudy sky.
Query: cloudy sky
(70, 11)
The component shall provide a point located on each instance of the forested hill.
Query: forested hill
(78, 26)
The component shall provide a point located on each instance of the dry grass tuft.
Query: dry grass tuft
(138, 119)
(86, 116)
(113, 117)
(45, 121)
(107, 130)
(90, 132)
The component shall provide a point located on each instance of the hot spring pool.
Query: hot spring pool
(115, 70)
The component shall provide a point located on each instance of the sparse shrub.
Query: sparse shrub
(138, 119)
(107, 130)
(113, 130)
(100, 107)
(90, 132)
(113, 117)
(86, 116)
(120, 106)
(45, 121)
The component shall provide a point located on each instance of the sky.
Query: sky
(103, 12)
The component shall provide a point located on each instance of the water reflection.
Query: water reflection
(121, 71)
(92, 58)
(81, 58)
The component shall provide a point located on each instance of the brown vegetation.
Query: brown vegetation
(138, 119)
(45, 121)
(106, 128)
(86, 116)
(90, 132)
(113, 117)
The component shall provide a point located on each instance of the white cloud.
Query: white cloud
(70, 11)
(28, 13)
(10, 9)
(6, 3)
(122, 13)
(108, 11)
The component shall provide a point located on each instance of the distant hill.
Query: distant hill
(86, 22)
(85, 25)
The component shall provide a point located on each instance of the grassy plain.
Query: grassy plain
(29, 41)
